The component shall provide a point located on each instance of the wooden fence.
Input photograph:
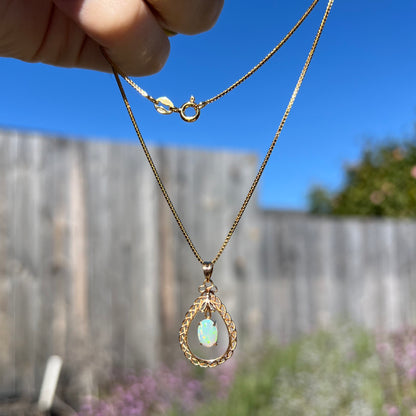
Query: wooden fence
(93, 267)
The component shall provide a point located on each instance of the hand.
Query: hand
(69, 33)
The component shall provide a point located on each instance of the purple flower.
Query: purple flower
(393, 411)
(155, 393)
(412, 373)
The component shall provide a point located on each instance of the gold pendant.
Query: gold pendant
(207, 303)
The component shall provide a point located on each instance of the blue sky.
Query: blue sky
(361, 88)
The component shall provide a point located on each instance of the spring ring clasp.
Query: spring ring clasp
(190, 104)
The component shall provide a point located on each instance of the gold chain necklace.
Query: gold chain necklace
(208, 302)
(164, 105)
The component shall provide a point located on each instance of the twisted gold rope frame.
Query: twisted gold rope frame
(200, 305)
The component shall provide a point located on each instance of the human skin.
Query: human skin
(69, 33)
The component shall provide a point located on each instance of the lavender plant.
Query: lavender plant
(397, 353)
(342, 372)
(165, 391)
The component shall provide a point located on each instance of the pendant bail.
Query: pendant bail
(208, 286)
(207, 268)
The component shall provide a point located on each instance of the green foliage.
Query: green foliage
(383, 183)
(254, 387)
(336, 374)
(326, 374)
(343, 372)
(320, 201)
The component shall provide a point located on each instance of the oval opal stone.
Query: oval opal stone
(207, 333)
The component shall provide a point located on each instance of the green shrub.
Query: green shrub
(382, 183)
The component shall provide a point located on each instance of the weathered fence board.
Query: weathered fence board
(94, 268)
(357, 269)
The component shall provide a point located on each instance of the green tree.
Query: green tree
(383, 183)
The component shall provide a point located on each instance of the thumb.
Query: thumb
(126, 29)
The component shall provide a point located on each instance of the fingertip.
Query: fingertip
(187, 16)
(208, 16)
(140, 62)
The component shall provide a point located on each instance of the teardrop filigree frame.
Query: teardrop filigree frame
(201, 303)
